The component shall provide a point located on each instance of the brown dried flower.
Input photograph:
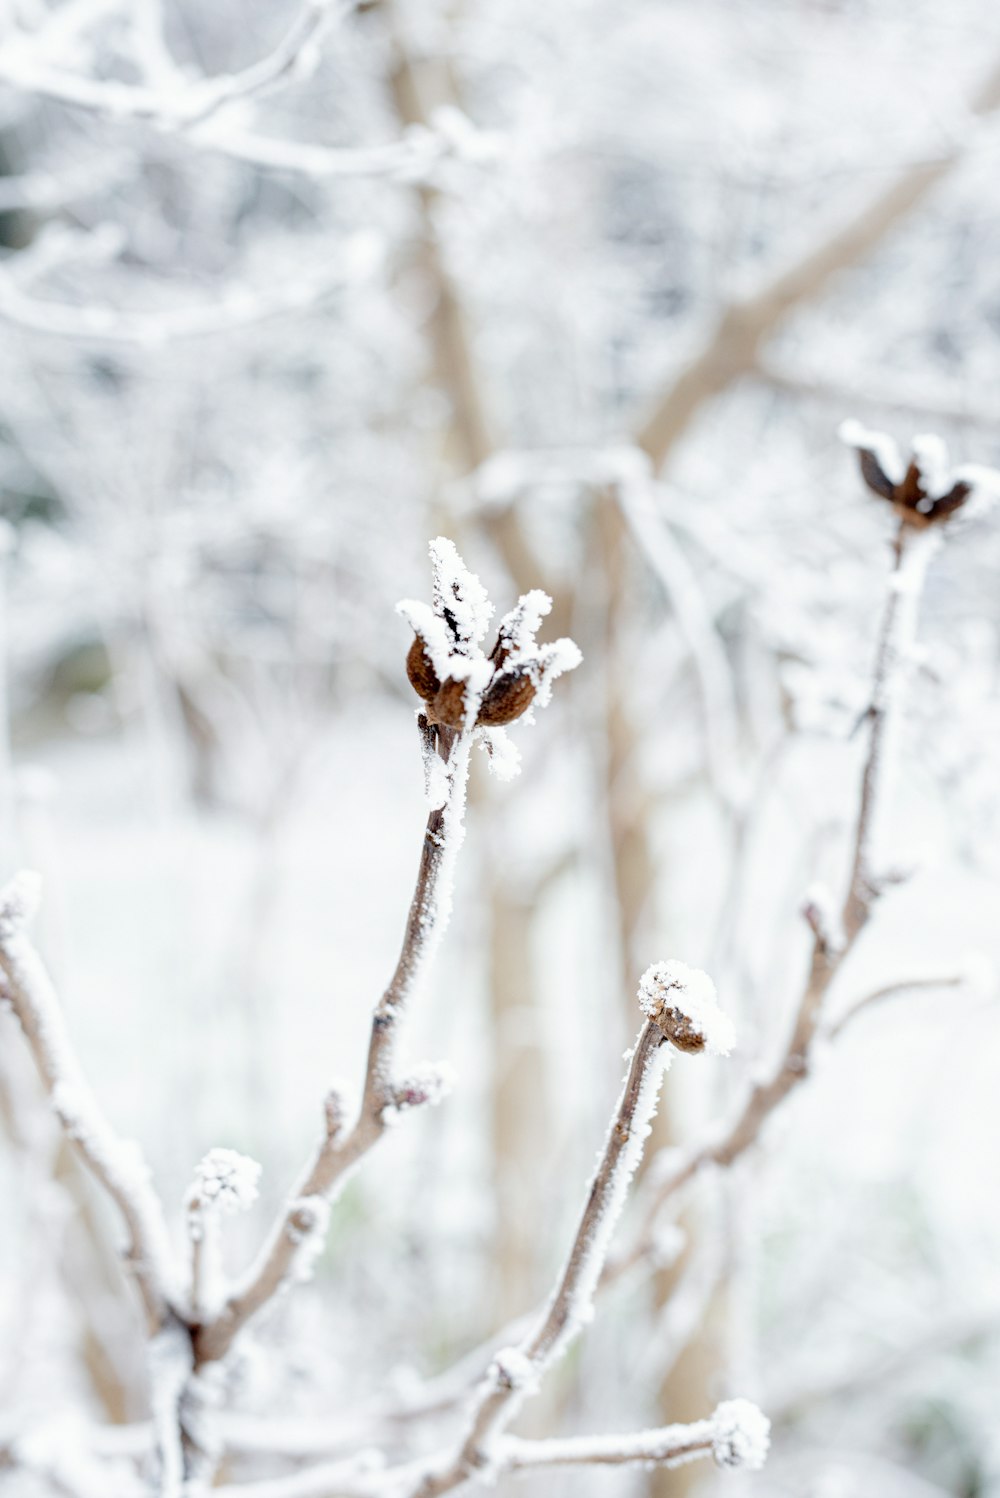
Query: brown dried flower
(446, 664)
(924, 491)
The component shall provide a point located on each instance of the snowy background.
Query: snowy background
(285, 294)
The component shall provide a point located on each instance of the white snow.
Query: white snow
(883, 447)
(226, 1182)
(741, 1435)
(931, 458)
(459, 593)
(502, 754)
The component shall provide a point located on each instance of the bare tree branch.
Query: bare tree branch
(732, 349)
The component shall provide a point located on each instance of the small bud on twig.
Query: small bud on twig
(681, 1000)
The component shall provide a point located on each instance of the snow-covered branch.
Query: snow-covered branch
(468, 697)
(680, 1008)
(116, 1163)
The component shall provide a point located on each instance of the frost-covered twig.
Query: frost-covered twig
(169, 1366)
(680, 1007)
(467, 696)
(736, 1436)
(913, 552)
(224, 1183)
(238, 306)
(25, 65)
(116, 1163)
(932, 982)
(302, 1225)
(712, 670)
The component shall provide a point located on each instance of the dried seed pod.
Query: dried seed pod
(423, 678)
(508, 696)
(449, 704)
(680, 1030)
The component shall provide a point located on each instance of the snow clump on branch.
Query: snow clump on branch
(741, 1435)
(225, 1182)
(682, 1002)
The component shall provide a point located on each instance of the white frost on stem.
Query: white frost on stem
(116, 1163)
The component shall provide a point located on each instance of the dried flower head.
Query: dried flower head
(446, 665)
(681, 1000)
(925, 490)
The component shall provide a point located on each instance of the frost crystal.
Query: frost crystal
(741, 1435)
(674, 989)
(226, 1182)
(503, 755)
(459, 597)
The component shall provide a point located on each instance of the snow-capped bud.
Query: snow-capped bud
(19, 901)
(426, 1086)
(925, 490)
(681, 1001)
(507, 698)
(741, 1435)
(224, 1181)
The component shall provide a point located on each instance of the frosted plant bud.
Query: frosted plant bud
(336, 1106)
(741, 1435)
(681, 1000)
(226, 1182)
(19, 900)
(307, 1226)
(926, 490)
(426, 1086)
(446, 665)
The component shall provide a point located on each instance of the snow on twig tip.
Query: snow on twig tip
(225, 1182)
(682, 1001)
(19, 900)
(427, 1085)
(741, 1435)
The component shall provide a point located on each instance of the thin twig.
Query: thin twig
(912, 551)
(514, 1372)
(304, 1217)
(114, 1162)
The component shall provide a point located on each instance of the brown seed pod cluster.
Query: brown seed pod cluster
(920, 497)
(508, 696)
